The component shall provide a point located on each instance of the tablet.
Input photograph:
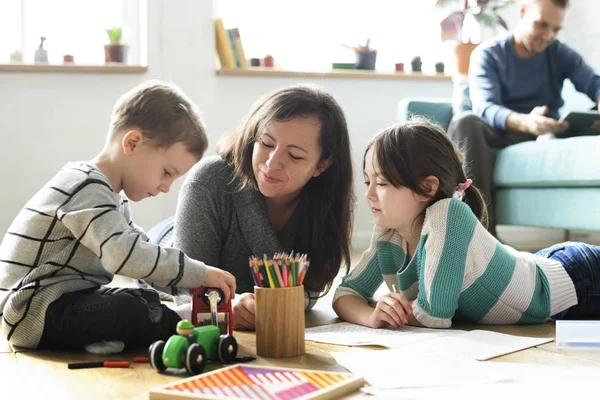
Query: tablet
(580, 123)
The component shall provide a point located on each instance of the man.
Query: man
(515, 88)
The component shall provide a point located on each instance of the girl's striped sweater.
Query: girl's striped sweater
(460, 270)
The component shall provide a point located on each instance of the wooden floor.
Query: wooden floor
(26, 373)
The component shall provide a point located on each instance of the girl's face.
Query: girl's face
(393, 207)
(286, 156)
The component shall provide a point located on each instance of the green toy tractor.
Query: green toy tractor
(193, 346)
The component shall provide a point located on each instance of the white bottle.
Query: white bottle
(41, 55)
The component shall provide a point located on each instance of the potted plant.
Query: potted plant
(268, 61)
(416, 64)
(115, 51)
(485, 13)
(439, 67)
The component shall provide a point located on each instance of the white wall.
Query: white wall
(50, 119)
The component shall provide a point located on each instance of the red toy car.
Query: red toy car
(209, 308)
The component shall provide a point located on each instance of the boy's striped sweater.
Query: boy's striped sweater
(460, 270)
(74, 234)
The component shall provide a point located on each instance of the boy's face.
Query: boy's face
(150, 170)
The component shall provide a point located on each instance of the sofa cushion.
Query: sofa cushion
(565, 208)
(572, 162)
(439, 111)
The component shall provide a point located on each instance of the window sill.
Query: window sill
(337, 73)
(75, 68)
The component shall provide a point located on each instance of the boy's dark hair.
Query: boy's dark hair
(325, 230)
(409, 152)
(164, 114)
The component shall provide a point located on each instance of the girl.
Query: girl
(431, 242)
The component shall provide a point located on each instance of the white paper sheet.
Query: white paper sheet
(391, 369)
(520, 380)
(477, 344)
(348, 334)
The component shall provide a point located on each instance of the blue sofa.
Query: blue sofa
(549, 184)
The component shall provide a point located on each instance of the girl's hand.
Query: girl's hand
(393, 309)
(244, 317)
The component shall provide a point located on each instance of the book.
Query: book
(223, 45)
(233, 46)
(239, 49)
(243, 381)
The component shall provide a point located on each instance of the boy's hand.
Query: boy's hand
(244, 315)
(392, 309)
(223, 280)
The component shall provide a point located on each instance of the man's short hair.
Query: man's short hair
(561, 3)
(163, 114)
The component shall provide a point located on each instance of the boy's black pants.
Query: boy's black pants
(133, 316)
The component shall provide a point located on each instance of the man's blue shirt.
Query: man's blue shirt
(501, 82)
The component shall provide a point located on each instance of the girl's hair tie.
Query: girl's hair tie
(459, 190)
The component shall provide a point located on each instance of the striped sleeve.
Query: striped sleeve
(448, 230)
(92, 214)
(365, 278)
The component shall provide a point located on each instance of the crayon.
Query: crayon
(99, 364)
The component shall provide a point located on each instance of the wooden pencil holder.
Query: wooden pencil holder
(279, 321)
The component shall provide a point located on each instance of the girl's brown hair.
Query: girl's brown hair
(409, 152)
(325, 228)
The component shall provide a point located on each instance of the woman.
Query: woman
(282, 182)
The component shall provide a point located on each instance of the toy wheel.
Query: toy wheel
(195, 359)
(227, 349)
(155, 353)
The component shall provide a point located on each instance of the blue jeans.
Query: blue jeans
(582, 263)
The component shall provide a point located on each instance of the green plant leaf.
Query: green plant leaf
(115, 34)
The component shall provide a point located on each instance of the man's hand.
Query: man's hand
(536, 122)
(392, 309)
(244, 314)
(223, 280)
(540, 124)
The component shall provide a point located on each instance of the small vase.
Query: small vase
(41, 55)
(268, 62)
(115, 53)
(366, 59)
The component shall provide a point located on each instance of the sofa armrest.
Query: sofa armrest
(438, 111)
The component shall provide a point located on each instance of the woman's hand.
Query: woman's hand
(393, 309)
(244, 315)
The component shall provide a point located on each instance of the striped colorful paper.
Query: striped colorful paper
(250, 382)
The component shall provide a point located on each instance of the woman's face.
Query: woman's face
(286, 156)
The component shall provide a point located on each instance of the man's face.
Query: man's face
(540, 22)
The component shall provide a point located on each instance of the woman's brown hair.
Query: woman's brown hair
(329, 198)
(409, 152)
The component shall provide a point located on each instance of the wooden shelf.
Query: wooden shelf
(75, 68)
(338, 73)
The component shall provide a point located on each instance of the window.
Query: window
(308, 34)
(71, 27)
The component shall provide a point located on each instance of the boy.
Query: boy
(76, 233)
